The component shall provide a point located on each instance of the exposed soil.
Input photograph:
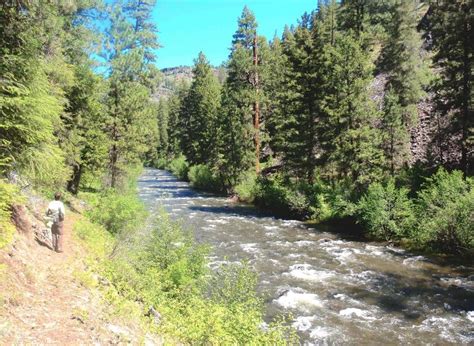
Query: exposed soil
(43, 301)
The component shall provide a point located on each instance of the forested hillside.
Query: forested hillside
(362, 112)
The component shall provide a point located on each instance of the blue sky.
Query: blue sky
(187, 27)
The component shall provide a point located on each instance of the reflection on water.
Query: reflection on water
(339, 291)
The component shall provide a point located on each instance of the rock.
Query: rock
(118, 330)
(21, 220)
(155, 314)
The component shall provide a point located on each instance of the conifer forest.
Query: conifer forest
(358, 118)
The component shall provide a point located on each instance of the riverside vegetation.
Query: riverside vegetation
(365, 118)
(66, 126)
(364, 114)
(161, 266)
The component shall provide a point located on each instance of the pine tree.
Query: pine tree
(240, 102)
(81, 134)
(176, 124)
(452, 26)
(163, 124)
(275, 89)
(300, 101)
(408, 73)
(352, 142)
(131, 41)
(395, 137)
(367, 20)
(200, 112)
(30, 103)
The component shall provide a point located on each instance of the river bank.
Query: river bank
(337, 289)
(434, 218)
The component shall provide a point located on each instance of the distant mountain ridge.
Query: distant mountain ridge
(172, 77)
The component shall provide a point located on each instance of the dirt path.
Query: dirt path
(42, 300)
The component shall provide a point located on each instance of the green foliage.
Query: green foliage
(170, 246)
(118, 212)
(386, 211)
(98, 241)
(166, 269)
(282, 197)
(445, 212)
(130, 43)
(179, 167)
(403, 52)
(199, 115)
(247, 187)
(8, 195)
(450, 25)
(201, 177)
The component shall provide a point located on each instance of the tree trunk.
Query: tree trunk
(73, 183)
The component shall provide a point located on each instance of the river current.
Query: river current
(339, 291)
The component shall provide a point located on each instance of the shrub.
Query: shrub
(445, 212)
(179, 167)
(201, 177)
(247, 188)
(160, 163)
(173, 252)
(118, 212)
(97, 240)
(8, 194)
(169, 271)
(386, 211)
(282, 198)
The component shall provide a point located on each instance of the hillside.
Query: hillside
(55, 298)
(172, 77)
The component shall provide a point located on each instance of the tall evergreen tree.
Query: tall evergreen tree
(300, 102)
(239, 101)
(408, 73)
(200, 112)
(131, 40)
(452, 25)
(176, 124)
(352, 142)
(31, 99)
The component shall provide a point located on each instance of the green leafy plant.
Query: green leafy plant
(445, 212)
(179, 167)
(118, 212)
(386, 211)
(201, 177)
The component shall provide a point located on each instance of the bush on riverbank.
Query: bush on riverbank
(385, 211)
(117, 211)
(179, 167)
(162, 266)
(201, 177)
(439, 216)
(445, 212)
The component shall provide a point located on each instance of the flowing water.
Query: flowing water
(339, 291)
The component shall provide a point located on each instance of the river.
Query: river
(339, 291)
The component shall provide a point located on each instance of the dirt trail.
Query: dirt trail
(43, 302)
